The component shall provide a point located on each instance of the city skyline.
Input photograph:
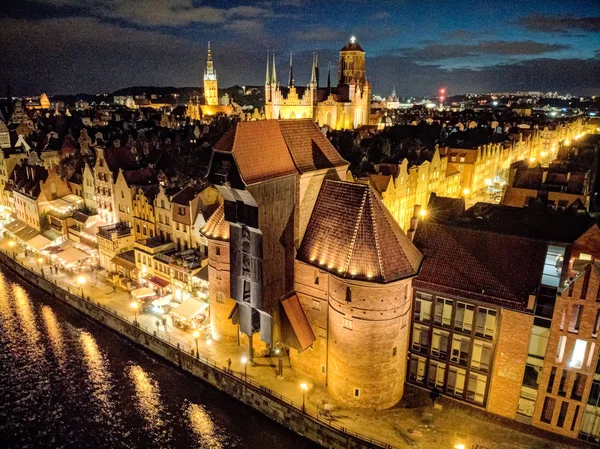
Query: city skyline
(417, 47)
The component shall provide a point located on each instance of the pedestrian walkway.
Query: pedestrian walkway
(412, 423)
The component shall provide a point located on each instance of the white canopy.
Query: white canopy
(142, 292)
(161, 301)
(39, 242)
(72, 255)
(190, 308)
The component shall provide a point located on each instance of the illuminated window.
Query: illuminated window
(461, 347)
(578, 354)
(435, 375)
(439, 344)
(347, 323)
(560, 350)
(443, 311)
(575, 318)
(420, 338)
(463, 320)
(486, 322)
(422, 310)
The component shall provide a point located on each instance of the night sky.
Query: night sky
(91, 46)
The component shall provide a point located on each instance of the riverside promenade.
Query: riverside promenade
(412, 423)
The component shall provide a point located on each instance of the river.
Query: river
(67, 382)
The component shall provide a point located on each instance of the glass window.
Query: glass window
(562, 414)
(463, 321)
(533, 372)
(435, 377)
(578, 386)
(439, 344)
(575, 317)
(578, 354)
(422, 310)
(416, 370)
(538, 341)
(456, 381)
(476, 388)
(460, 350)
(548, 410)
(443, 311)
(551, 380)
(420, 338)
(562, 387)
(560, 350)
(486, 322)
(482, 355)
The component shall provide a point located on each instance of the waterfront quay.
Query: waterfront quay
(293, 400)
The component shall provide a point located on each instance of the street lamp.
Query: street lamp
(81, 282)
(196, 335)
(245, 363)
(304, 387)
(423, 212)
(134, 305)
(11, 244)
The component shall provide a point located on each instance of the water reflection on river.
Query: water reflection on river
(66, 382)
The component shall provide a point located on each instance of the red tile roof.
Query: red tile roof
(485, 266)
(269, 149)
(297, 317)
(259, 150)
(308, 146)
(216, 227)
(351, 234)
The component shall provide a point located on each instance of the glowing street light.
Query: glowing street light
(304, 388)
(11, 243)
(466, 192)
(245, 363)
(196, 335)
(532, 160)
(81, 282)
(422, 213)
(134, 305)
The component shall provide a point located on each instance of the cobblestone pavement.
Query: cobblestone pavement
(412, 423)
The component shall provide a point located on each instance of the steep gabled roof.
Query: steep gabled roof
(269, 149)
(352, 235)
(259, 150)
(485, 266)
(441, 209)
(308, 147)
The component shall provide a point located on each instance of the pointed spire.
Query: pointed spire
(291, 80)
(209, 73)
(313, 76)
(317, 67)
(328, 78)
(267, 77)
(274, 78)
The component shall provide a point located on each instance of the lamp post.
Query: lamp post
(196, 335)
(40, 261)
(81, 282)
(304, 387)
(134, 305)
(245, 363)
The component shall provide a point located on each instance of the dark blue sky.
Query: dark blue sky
(70, 46)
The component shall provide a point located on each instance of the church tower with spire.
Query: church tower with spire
(211, 88)
(345, 106)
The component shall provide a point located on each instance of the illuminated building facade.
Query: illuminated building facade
(343, 107)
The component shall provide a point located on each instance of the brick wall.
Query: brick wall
(509, 363)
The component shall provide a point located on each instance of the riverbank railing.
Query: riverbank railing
(188, 350)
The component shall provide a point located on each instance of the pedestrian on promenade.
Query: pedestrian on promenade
(434, 395)
(42, 271)
(114, 288)
(229, 365)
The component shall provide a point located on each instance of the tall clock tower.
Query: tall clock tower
(211, 89)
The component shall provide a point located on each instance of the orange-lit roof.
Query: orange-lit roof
(352, 235)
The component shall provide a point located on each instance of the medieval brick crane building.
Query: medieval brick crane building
(342, 303)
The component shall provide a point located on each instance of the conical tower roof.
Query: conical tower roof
(352, 235)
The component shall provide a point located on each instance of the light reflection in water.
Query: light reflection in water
(203, 427)
(97, 373)
(55, 334)
(26, 318)
(147, 396)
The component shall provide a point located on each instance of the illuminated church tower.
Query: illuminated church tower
(343, 107)
(211, 91)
